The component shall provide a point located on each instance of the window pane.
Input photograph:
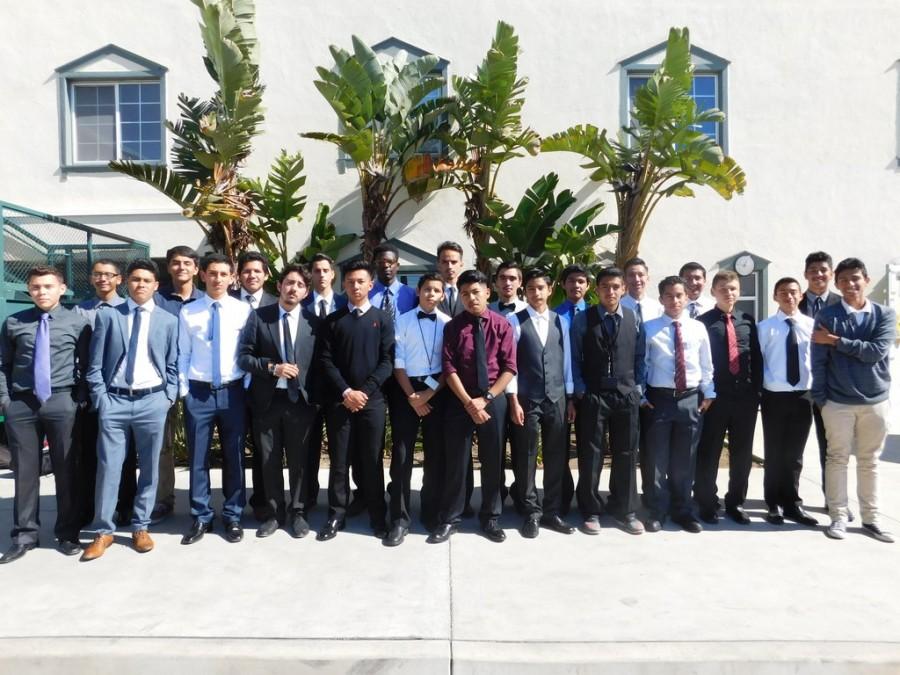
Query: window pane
(94, 122)
(106, 95)
(635, 83)
(87, 152)
(131, 132)
(150, 93)
(150, 132)
(704, 85)
(151, 151)
(704, 91)
(85, 96)
(748, 285)
(130, 112)
(150, 112)
(131, 150)
(129, 93)
(106, 151)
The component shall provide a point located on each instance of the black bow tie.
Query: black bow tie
(502, 306)
(426, 315)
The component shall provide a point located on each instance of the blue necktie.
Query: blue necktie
(215, 337)
(132, 347)
(42, 359)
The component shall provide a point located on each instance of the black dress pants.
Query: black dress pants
(615, 415)
(460, 430)
(314, 457)
(822, 440)
(786, 419)
(734, 413)
(544, 420)
(359, 435)
(28, 421)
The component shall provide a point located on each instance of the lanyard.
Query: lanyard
(425, 345)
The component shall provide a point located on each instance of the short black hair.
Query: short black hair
(784, 281)
(470, 277)
(631, 262)
(42, 271)
(691, 267)
(107, 261)
(537, 273)
(608, 273)
(357, 265)
(211, 258)
(668, 282)
(299, 269)
(185, 251)
(818, 257)
(318, 257)
(449, 246)
(142, 264)
(252, 256)
(850, 264)
(429, 276)
(569, 270)
(385, 247)
(508, 265)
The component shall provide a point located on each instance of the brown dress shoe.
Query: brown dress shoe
(142, 541)
(97, 547)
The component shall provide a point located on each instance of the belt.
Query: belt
(136, 393)
(422, 378)
(200, 384)
(673, 393)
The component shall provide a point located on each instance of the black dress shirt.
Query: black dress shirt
(750, 373)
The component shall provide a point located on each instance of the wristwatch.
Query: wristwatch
(489, 396)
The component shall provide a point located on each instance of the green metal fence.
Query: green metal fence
(30, 238)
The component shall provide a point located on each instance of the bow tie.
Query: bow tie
(502, 306)
(426, 315)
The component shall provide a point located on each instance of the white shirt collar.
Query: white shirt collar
(865, 309)
(781, 315)
(293, 313)
(257, 295)
(148, 306)
(363, 307)
(684, 316)
(538, 315)
(327, 298)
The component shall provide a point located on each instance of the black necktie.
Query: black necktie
(480, 357)
(323, 309)
(293, 383)
(611, 320)
(817, 305)
(792, 352)
(357, 312)
(426, 315)
(506, 307)
(387, 303)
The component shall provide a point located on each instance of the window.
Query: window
(753, 277)
(112, 106)
(708, 88)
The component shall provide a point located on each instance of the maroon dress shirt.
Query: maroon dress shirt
(458, 355)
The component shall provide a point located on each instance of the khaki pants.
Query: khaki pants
(862, 428)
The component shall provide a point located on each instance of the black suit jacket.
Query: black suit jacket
(451, 311)
(340, 301)
(260, 346)
(831, 299)
(266, 300)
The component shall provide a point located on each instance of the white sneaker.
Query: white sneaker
(873, 530)
(837, 529)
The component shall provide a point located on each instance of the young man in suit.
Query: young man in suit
(449, 267)
(212, 385)
(679, 390)
(43, 358)
(133, 377)
(539, 401)
(738, 377)
(608, 347)
(784, 339)
(357, 355)
(417, 371)
(694, 275)
(479, 360)
(851, 384)
(278, 350)
(388, 293)
(507, 282)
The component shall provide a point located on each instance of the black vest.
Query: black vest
(540, 367)
(596, 354)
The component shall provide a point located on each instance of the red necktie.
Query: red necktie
(734, 363)
(680, 375)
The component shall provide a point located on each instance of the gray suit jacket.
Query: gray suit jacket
(109, 346)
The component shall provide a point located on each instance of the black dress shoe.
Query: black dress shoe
(16, 551)
(299, 526)
(195, 534)
(531, 528)
(774, 517)
(557, 524)
(710, 517)
(396, 536)
(234, 532)
(738, 515)
(441, 533)
(330, 529)
(380, 530)
(798, 515)
(653, 525)
(493, 532)
(268, 527)
(688, 524)
(69, 547)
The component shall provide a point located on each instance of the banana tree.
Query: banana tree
(486, 131)
(385, 118)
(212, 139)
(531, 234)
(661, 154)
(324, 239)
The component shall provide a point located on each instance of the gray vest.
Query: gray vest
(540, 367)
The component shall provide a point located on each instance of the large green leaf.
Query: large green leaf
(162, 178)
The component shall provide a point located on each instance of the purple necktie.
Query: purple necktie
(42, 359)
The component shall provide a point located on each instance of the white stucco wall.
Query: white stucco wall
(813, 103)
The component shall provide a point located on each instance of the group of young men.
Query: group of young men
(659, 382)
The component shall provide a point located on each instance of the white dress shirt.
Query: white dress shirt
(364, 307)
(419, 342)
(329, 303)
(518, 306)
(650, 308)
(703, 303)
(859, 315)
(660, 355)
(145, 374)
(293, 323)
(773, 333)
(195, 344)
(257, 297)
(541, 323)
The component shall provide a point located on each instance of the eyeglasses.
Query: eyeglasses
(104, 275)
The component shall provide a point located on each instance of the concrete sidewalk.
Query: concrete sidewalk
(732, 599)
